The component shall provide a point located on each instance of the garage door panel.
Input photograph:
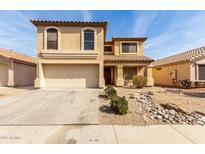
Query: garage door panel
(71, 75)
(3, 74)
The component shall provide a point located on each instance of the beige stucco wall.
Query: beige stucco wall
(70, 38)
(3, 74)
(163, 77)
(71, 75)
(70, 43)
(24, 74)
(118, 47)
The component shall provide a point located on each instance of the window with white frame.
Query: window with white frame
(89, 39)
(129, 47)
(52, 38)
(201, 72)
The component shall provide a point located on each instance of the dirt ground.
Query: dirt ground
(7, 91)
(188, 100)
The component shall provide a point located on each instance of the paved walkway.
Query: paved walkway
(105, 134)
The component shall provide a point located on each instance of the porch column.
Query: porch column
(40, 80)
(120, 79)
(101, 76)
(140, 71)
(150, 80)
(11, 74)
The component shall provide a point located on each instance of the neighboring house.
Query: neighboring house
(189, 65)
(75, 54)
(16, 69)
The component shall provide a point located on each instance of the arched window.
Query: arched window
(52, 38)
(89, 39)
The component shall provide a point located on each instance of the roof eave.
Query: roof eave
(71, 23)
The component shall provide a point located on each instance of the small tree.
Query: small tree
(139, 81)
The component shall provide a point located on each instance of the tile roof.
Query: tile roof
(16, 56)
(126, 58)
(129, 39)
(71, 23)
(188, 56)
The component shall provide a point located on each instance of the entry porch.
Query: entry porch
(121, 74)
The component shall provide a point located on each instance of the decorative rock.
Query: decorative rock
(168, 113)
(166, 116)
(159, 117)
(172, 112)
(155, 112)
(200, 122)
(151, 117)
(150, 92)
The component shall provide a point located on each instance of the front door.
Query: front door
(107, 75)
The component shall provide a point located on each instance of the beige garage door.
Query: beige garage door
(74, 76)
(3, 75)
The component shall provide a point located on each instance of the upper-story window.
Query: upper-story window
(108, 48)
(52, 38)
(89, 39)
(129, 47)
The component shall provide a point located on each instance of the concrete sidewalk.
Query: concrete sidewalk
(105, 134)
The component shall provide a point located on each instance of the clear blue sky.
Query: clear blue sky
(168, 32)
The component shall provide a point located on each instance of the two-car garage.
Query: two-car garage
(71, 75)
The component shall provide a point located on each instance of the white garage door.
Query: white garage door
(69, 75)
(3, 75)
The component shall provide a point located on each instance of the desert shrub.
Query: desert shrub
(110, 91)
(139, 81)
(113, 103)
(119, 104)
(186, 83)
(122, 105)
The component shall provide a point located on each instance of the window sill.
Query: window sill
(129, 53)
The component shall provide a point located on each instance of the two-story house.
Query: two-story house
(76, 54)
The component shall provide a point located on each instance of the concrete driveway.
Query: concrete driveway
(41, 107)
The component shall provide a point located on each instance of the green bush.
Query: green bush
(139, 81)
(122, 105)
(110, 91)
(113, 103)
(119, 104)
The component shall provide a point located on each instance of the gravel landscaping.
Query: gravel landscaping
(156, 105)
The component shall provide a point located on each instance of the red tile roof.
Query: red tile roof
(16, 56)
(70, 23)
(129, 39)
(126, 58)
(188, 56)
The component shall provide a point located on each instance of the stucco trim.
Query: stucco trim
(70, 55)
(45, 38)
